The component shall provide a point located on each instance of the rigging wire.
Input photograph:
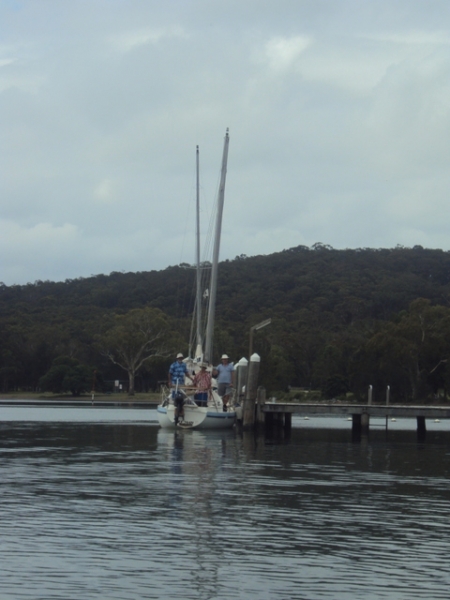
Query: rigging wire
(183, 306)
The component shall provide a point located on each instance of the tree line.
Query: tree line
(341, 320)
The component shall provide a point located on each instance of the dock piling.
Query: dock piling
(241, 379)
(260, 401)
(421, 428)
(248, 417)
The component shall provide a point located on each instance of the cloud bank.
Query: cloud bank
(338, 115)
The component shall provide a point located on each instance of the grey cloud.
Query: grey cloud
(337, 112)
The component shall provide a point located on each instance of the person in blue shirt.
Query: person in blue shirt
(177, 373)
(225, 379)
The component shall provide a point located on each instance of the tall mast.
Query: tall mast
(215, 262)
(199, 286)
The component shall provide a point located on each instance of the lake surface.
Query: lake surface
(102, 504)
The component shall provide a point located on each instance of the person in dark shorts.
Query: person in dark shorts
(202, 381)
(177, 373)
(225, 379)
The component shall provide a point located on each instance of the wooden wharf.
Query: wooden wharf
(276, 414)
(279, 414)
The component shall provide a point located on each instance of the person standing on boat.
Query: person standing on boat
(177, 373)
(225, 379)
(202, 381)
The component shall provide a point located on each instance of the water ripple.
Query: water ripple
(125, 511)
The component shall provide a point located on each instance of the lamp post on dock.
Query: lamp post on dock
(248, 413)
(255, 328)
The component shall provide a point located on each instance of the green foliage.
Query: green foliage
(340, 319)
(276, 369)
(134, 339)
(412, 352)
(335, 386)
(298, 395)
(67, 375)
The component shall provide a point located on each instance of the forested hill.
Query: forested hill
(330, 310)
(370, 283)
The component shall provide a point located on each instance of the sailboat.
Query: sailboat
(214, 415)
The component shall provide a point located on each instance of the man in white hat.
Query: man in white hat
(225, 379)
(177, 371)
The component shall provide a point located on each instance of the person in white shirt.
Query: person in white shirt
(224, 374)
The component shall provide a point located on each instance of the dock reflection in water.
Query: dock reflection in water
(121, 509)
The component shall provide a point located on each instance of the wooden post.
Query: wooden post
(260, 400)
(365, 421)
(360, 425)
(248, 419)
(421, 428)
(365, 417)
(268, 422)
(287, 422)
(278, 419)
(356, 427)
(388, 394)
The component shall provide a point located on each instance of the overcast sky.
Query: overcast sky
(338, 110)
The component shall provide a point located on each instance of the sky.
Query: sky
(338, 113)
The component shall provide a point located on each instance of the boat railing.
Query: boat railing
(167, 394)
(232, 399)
(213, 393)
(189, 401)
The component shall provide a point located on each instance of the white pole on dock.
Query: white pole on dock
(241, 379)
(248, 419)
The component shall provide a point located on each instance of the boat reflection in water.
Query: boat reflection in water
(195, 496)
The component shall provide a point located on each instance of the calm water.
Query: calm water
(102, 504)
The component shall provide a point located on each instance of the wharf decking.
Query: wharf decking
(280, 413)
(374, 410)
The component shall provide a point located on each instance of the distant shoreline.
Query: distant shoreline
(38, 399)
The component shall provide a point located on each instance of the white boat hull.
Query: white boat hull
(196, 418)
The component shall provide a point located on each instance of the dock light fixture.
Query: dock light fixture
(255, 328)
